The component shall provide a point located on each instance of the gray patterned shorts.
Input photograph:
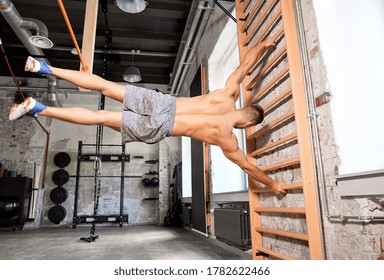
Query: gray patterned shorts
(148, 115)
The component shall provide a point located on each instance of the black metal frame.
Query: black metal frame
(90, 157)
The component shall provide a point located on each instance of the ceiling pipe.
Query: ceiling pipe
(189, 31)
(12, 16)
(110, 51)
(225, 10)
(195, 44)
(197, 20)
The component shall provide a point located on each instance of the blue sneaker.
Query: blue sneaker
(29, 107)
(36, 66)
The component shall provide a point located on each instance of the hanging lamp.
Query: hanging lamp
(132, 74)
(131, 6)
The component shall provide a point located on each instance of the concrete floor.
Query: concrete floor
(114, 243)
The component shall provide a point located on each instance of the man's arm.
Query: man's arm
(238, 157)
(249, 61)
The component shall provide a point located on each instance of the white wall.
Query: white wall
(187, 167)
(352, 44)
(225, 175)
(217, 25)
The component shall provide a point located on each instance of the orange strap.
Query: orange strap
(84, 68)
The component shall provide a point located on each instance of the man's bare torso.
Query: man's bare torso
(208, 118)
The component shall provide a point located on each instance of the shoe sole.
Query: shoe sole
(29, 64)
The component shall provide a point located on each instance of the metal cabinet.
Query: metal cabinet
(15, 194)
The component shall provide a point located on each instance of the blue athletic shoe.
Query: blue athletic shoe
(36, 66)
(29, 107)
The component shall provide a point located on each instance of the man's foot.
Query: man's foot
(30, 106)
(35, 66)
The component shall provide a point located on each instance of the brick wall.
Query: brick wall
(169, 156)
(343, 240)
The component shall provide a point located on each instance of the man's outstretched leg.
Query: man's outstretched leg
(75, 115)
(82, 79)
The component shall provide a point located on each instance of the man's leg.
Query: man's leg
(82, 79)
(83, 116)
(91, 81)
(71, 114)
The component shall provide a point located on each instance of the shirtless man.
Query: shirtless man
(149, 116)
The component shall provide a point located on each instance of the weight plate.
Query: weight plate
(62, 159)
(146, 182)
(56, 214)
(60, 177)
(58, 195)
(154, 182)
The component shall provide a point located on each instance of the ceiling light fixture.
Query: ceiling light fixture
(40, 39)
(132, 74)
(41, 42)
(132, 6)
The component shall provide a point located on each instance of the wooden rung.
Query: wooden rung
(280, 97)
(267, 29)
(276, 16)
(267, 66)
(246, 4)
(289, 234)
(282, 210)
(271, 125)
(294, 186)
(278, 34)
(274, 81)
(251, 16)
(281, 164)
(262, 17)
(298, 185)
(274, 144)
(273, 253)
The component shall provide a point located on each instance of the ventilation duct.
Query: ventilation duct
(197, 20)
(41, 39)
(22, 28)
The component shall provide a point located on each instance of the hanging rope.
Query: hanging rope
(99, 135)
(38, 122)
(84, 67)
(96, 196)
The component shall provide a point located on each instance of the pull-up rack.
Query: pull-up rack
(103, 157)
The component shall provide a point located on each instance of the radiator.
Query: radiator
(232, 226)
